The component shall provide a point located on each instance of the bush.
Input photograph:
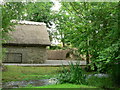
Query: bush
(74, 74)
(102, 82)
(115, 74)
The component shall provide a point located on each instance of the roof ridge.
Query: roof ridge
(27, 22)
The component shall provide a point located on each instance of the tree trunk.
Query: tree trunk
(87, 52)
(63, 44)
(87, 57)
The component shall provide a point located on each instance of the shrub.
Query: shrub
(115, 74)
(74, 74)
(100, 82)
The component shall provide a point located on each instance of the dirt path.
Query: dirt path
(50, 63)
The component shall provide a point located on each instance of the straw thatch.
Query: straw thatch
(27, 32)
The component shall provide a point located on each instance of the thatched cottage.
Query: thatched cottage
(28, 44)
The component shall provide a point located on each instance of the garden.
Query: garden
(72, 76)
(89, 29)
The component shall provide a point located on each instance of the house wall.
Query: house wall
(27, 54)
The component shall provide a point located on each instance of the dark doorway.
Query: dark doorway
(13, 58)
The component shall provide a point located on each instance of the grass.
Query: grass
(52, 87)
(65, 86)
(19, 73)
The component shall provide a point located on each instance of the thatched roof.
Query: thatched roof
(28, 32)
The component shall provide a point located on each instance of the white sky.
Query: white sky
(56, 6)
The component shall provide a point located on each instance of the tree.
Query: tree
(61, 33)
(90, 28)
(9, 11)
(39, 12)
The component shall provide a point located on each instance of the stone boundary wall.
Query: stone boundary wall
(57, 54)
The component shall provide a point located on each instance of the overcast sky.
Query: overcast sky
(56, 6)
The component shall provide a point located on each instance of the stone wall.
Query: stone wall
(22, 54)
(57, 54)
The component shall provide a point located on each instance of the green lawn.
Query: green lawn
(64, 86)
(18, 73)
(51, 87)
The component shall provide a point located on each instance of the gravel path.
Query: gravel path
(50, 63)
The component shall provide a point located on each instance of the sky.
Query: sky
(56, 6)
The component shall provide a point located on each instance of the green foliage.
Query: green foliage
(115, 74)
(100, 82)
(74, 75)
(55, 47)
(92, 27)
(39, 12)
(10, 10)
(107, 58)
